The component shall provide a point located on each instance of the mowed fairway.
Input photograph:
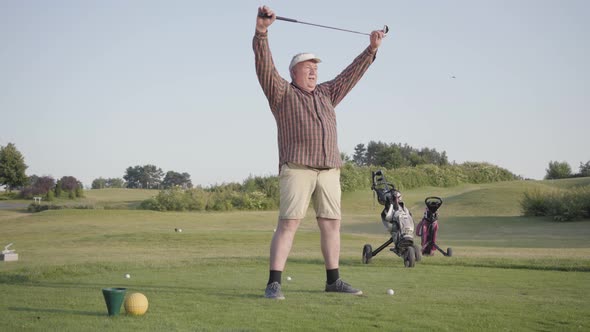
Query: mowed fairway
(508, 273)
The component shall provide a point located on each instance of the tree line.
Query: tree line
(395, 155)
(145, 177)
(13, 176)
(48, 188)
(562, 170)
(374, 154)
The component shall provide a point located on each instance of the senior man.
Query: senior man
(309, 159)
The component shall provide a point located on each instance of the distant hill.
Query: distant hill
(491, 199)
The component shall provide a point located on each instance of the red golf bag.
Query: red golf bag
(428, 228)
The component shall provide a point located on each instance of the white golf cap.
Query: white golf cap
(303, 57)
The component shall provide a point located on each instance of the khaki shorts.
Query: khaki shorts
(299, 184)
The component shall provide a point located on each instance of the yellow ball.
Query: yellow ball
(136, 304)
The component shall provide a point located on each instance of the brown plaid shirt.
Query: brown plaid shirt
(306, 122)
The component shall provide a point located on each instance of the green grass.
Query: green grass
(100, 198)
(508, 272)
(111, 198)
(117, 196)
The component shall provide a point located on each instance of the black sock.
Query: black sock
(274, 276)
(332, 276)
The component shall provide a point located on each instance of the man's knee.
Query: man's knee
(289, 224)
(330, 225)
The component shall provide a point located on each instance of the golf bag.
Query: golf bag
(428, 228)
(398, 221)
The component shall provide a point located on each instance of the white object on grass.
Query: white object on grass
(8, 251)
(390, 291)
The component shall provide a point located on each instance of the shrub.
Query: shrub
(562, 205)
(262, 193)
(172, 200)
(50, 196)
(534, 203)
(196, 199)
(359, 177)
(5, 196)
(43, 207)
(269, 186)
(39, 186)
(355, 177)
(150, 204)
(221, 201)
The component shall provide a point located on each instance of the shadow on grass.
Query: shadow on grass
(57, 311)
(563, 267)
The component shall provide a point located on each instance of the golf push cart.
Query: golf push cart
(397, 220)
(428, 228)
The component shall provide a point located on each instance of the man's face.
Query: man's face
(305, 75)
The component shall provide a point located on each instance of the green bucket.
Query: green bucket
(114, 299)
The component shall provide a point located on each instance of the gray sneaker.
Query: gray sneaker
(273, 291)
(340, 286)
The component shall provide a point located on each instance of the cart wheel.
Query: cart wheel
(418, 254)
(367, 253)
(449, 252)
(410, 257)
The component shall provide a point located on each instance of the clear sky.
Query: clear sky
(89, 88)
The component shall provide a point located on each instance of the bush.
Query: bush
(534, 203)
(576, 204)
(562, 205)
(40, 186)
(262, 193)
(150, 204)
(33, 207)
(355, 177)
(359, 177)
(196, 199)
(79, 192)
(269, 186)
(5, 196)
(172, 199)
(50, 196)
(220, 201)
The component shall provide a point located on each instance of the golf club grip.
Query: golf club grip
(280, 18)
(286, 19)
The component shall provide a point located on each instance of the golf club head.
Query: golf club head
(385, 29)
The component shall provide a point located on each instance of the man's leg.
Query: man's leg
(296, 185)
(330, 241)
(327, 206)
(281, 244)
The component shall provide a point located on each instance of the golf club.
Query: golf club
(385, 27)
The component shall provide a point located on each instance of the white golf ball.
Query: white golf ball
(127, 276)
(289, 278)
(180, 230)
(390, 291)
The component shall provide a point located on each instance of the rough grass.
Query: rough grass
(508, 273)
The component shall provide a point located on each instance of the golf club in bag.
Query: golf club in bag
(398, 221)
(428, 228)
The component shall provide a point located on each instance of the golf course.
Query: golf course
(507, 272)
